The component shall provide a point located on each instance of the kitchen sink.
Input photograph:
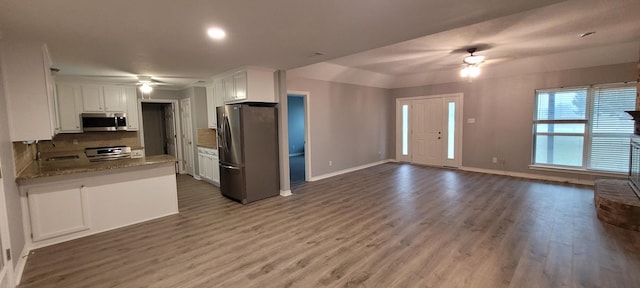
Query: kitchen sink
(67, 157)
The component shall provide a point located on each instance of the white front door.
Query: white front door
(187, 136)
(429, 130)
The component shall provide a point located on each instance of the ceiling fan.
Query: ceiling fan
(146, 84)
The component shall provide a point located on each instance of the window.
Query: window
(584, 128)
(451, 132)
(405, 129)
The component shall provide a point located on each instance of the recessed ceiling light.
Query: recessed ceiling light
(585, 34)
(216, 33)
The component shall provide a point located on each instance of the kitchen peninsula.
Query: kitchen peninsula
(71, 197)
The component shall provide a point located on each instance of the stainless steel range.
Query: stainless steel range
(107, 153)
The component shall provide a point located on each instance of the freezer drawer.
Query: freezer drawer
(232, 182)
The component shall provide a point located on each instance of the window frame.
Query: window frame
(587, 135)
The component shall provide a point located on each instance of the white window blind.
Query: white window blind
(584, 127)
(610, 128)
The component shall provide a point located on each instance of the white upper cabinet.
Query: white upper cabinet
(100, 98)
(74, 98)
(69, 107)
(29, 90)
(249, 85)
(115, 99)
(92, 98)
(132, 108)
(211, 107)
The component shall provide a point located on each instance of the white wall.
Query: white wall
(12, 196)
(503, 111)
(349, 124)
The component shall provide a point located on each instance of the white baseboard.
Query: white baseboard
(316, 178)
(22, 262)
(529, 176)
(197, 177)
(286, 193)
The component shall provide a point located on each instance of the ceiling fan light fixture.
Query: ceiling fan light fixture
(470, 71)
(473, 59)
(145, 88)
(471, 67)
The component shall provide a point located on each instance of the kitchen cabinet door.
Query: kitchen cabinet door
(211, 107)
(216, 170)
(202, 159)
(229, 89)
(29, 90)
(240, 85)
(69, 104)
(133, 123)
(208, 168)
(92, 98)
(58, 210)
(114, 99)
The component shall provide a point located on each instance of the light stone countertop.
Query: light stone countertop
(43, 168)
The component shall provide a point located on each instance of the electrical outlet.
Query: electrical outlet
(330, 163)
(494, 160)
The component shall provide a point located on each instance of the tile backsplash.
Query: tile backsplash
(207, 138)
(24, 154)
(79, 141)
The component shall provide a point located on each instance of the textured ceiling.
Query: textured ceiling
(166, 39)
(548, 30)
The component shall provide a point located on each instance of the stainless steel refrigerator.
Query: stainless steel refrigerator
(248, 151)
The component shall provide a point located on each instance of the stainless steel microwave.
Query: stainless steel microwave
(104, 121)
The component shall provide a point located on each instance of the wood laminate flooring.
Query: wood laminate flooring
(392, 225)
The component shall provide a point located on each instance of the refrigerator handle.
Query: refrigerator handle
(229, 167)
(223, 132)
(227, 136)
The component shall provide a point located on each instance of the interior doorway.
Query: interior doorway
(429, 130)
(160, 129)
(155, 129)
(297, 118)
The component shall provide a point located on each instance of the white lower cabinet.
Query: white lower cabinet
(61, 208)
(216, 170)
(58, 210)
(208, 164)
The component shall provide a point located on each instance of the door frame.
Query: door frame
(176, 122)
(457, 162)
(307, 130)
